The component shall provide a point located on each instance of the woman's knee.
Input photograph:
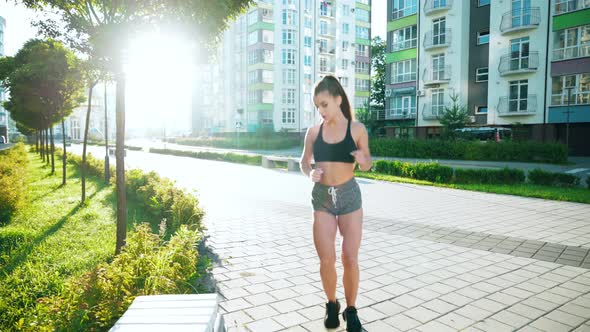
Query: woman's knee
(328, 261)
(349, 259)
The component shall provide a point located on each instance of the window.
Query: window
(438, 101)
(288, 37)
(362, 32)
(402, 106)
(361, 102)
(481, 74)
(362, 85)
(403, 8)
(345, 10)
(343, 81)
(362, 50)
(289, 57)
(344, 64)
(288, 76)
(483, 37)
(323, 64)
(307, 41)
(404, 38)
(307, 60)
(519, 53)
(345, 27)
(580, 91)
(267, 76)
(253, 38)
(268, 36)
(288, 96)
(481, 110)
(307, 22)
(438, 68)
(362, 15)
(572, 43)
(483, 2)
(289, 17)
(260, 56)
(288, 115)
(344, 46)
(403, 71)
(253, 17)
(564, 6)
(439, 31)
(518, 96)
(323, 27)
(362, 67)
(267, 97)
(267, 15)
(323, 46)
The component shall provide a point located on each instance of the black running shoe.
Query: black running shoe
(353, 324)
(331, 320)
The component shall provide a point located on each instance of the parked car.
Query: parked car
(485, 133)
(2, 140)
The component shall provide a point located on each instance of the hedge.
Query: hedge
(541, 177)
(489, 176)
(13, 164)
(432, 172)
(469, 150)
(230, 157)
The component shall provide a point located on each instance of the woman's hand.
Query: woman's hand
(316, 174)
(360, 157)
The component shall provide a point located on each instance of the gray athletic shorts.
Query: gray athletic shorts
(337, 200)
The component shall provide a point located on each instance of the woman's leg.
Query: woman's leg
(324, 236)
(350, 226)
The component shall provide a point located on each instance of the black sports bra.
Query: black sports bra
(339, 152)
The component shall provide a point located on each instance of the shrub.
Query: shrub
(469, 150)
(163, 201)
(146, 266)
(432, 172)
(489, 176)
(541, 177)
(230, 157)
(13, 163)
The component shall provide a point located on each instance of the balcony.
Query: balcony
(434, 77)
(520, 19)
(401, 114)
(570, 6)
(432, 41)
(517, 106)
(511, 64)
(572, 52)
(430, 112)
(435, 6)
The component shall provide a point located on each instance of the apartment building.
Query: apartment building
(511, 63)
(270, 58)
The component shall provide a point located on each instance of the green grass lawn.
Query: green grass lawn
(580, 195)
(53, 237)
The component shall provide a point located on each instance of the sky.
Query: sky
(142, 110)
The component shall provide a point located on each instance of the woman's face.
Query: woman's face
(328, 105)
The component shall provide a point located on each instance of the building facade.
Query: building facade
(3, 113)
(510, 63)
(271, 57)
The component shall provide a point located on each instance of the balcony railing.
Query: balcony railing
(441, 75)
(571, 52)
(570, 6)
(517, 106)
(520, 19)
(443, 39)
(434, 6)
(432, 112)
(401, 114)
(513, 64)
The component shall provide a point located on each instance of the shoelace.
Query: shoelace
(332, 192)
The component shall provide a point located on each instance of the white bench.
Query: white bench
(270, 162)
(172, 313)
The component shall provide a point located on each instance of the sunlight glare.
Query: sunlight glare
(159, 73)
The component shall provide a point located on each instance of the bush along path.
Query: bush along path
(57, 268)
(539, 184)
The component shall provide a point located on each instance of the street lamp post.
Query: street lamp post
(107, 174)
(238, 118)
(568, 112)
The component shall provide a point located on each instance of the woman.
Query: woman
(335, 145)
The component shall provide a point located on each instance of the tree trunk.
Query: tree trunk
(86, 127)
(120, 163)
(64, 157)
(42, 147)
(47, 145)
(52, 150)
(36, 141)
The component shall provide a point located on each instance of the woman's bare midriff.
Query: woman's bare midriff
(335, 173)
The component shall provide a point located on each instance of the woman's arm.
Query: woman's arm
(362, 155)
(305, 161)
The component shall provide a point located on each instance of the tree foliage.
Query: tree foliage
(454, 117)
(378, 47)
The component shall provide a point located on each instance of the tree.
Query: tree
(378, 47)
(368, 118)
(455, 117)
(103, 29)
